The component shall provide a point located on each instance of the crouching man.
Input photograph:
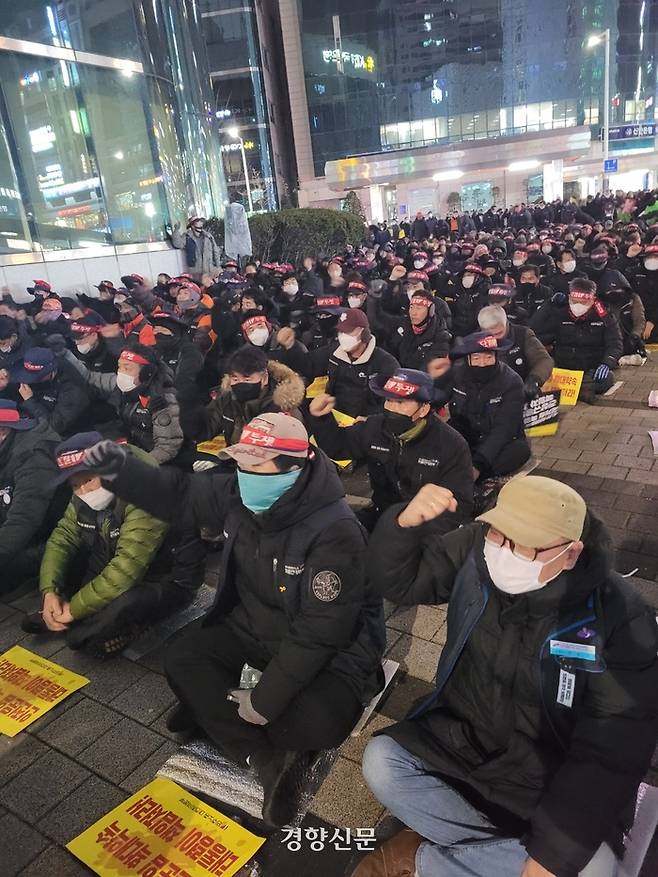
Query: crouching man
(292, 603)
(109, 568)
(526, 760)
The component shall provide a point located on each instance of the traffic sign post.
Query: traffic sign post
(610, 166)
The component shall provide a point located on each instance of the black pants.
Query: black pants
(204, 663)
(511, 458)
(126, 616)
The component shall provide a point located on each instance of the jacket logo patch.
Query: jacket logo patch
(326, 586)
(291, 569)
(496, 399)
(422, 461)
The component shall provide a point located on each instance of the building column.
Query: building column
(553, 180)
(377, 211)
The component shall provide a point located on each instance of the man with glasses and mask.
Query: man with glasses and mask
(292, 603)
(526, 759)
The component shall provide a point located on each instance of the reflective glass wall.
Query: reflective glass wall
(106, 129)
(394, 74)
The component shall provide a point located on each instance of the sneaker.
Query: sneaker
(34, 624)
(632, 359)
(282, 776)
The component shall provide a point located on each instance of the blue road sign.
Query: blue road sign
(610, 166)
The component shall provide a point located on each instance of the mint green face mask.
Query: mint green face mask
(259, 492)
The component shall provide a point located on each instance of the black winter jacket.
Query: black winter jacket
(527, 355)
(562, 775)
(580, 343)
(309, 612)
(398, 468)
(61, 402)
(411, 349)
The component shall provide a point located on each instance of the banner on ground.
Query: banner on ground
(164, 831)
(29, 687)
(568, 383)
(541, 415)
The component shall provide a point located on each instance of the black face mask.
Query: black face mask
(599, 264)
(397, 424)
(480, 374)
(527, 288)
(328, 325)
(246, 392)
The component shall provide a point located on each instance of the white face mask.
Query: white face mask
(84, 347)
(119, 299)
(468, 280)
(347, 342)
(651, 264)
(517, 261)
(568, 267)
(419, 263)
(259, 336)
(125, 382)
(546, 249)
(578, 309)
(513, 574)
(354, 301)
(98, 499)
(291, 289)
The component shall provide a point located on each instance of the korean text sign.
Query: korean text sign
(567, 382)
(29, 687)
(164, 831)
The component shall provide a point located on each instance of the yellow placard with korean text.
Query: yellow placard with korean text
(342, 420)
(29, 687)
(164, 831)
(318, 387)
(568, 382)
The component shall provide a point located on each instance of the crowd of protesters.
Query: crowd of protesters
(145, 425)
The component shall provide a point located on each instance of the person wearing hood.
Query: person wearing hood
(349, 364)
(47, 392)
(584, 336)
(527, 757)
(417, 338)
(527, 356)
(253, 385)
(29, 508)
(109, 569)
(486, 405)
(201, 250)
(293, 603)
(141, 393)
(470, 297)
(405, 446)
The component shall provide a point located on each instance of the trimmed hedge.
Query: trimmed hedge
(290, 235)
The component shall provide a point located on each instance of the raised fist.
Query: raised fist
(106, 458)
(322, 404)
(286, 337)
(430, 502)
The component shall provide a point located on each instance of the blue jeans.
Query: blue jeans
(461, 841)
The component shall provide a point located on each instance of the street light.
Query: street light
(596, 40)
(235, 135)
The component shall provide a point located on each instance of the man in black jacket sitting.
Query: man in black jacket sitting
(292, 603)
(526, 760)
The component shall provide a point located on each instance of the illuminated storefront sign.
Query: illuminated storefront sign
(358, 61)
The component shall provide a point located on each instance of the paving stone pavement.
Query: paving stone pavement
(108, 739)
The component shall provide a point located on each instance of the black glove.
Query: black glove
(106, 458)
(57, 343)
(531, 388)
(559, 298)
(376, 288)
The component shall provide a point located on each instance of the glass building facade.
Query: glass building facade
(106, 127)
(396, 74)
(236, 57)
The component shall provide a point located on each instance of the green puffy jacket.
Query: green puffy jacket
(129, 552)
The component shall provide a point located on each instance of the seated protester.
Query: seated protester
(335, 282)
(322, 322)
(47, 392)
(293, 603)
(523, 761)
(134, 327)
(357, 293)
(289, 299)
(191, 310)
(417, 338)
(254, 299)
(504, 296)
(493, 269)
(349, 365)
(109, 568)
(530, 293)
(644, 281)
(584, 336)
(279, 344)
(471, 296)
(161, 288)
(537, 256)
(104, 304)
(227, 323)
(40, 291)
(527, 356)
(50, 320)
(519, 260)
(418, 282)
(180, 355)
(405, 446)
(12, 342)
(566, 271)
(89, 345)
(252, 385)
(141, 393)
(601, 271)
(486, 405)
(29, 508)
(628, 309)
